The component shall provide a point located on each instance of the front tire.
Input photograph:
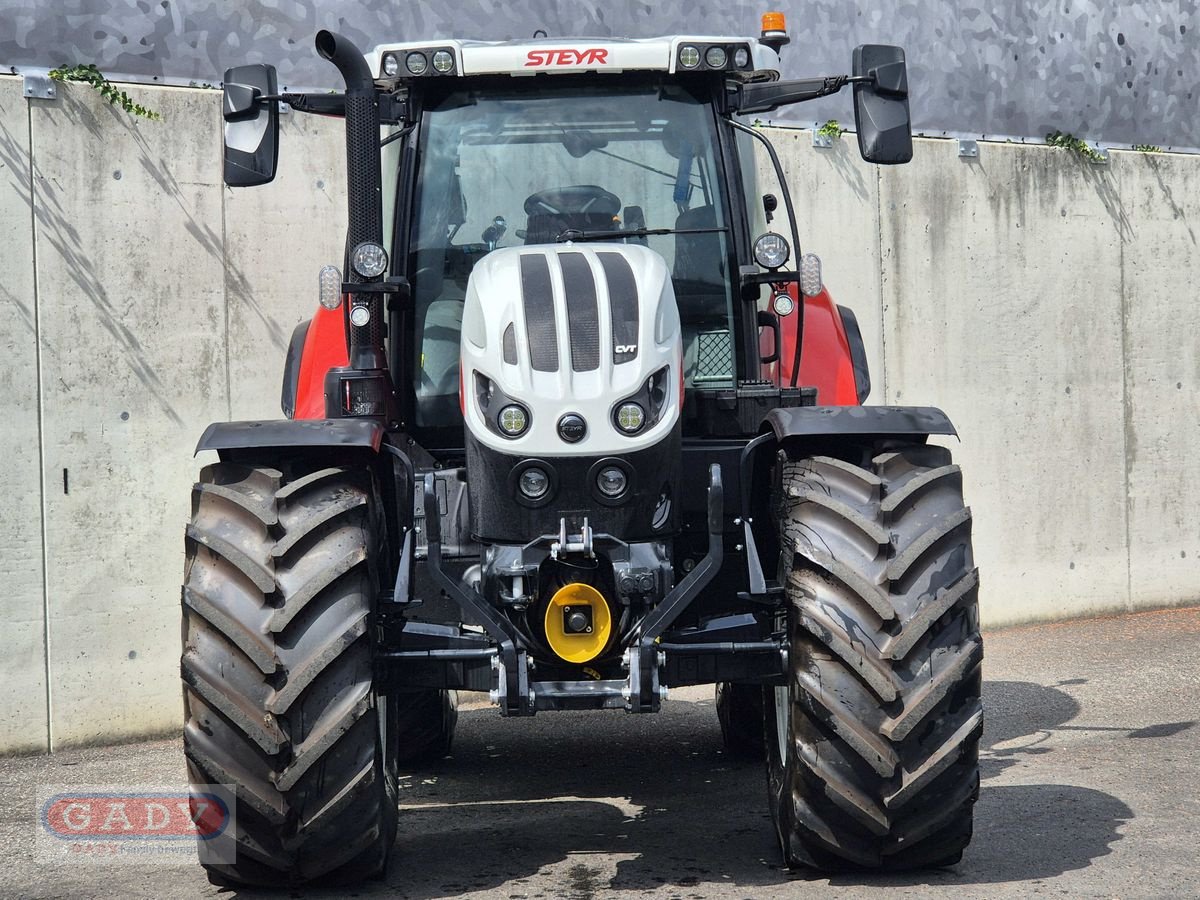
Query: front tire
(279, 590)
(872, 745)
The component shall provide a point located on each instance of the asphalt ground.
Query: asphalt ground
(1090, 789)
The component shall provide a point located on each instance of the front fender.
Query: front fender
(231, 437)
(858, 421)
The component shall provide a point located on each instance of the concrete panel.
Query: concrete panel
(1162, 369)
(836, 196)
(277, 238)
(1002, 287)
(131, 289)
(23, 704)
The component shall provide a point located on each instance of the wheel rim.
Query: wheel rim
(783, 720)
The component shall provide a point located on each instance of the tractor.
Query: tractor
(566, 429)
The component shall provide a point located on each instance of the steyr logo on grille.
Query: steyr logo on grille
(590, 56)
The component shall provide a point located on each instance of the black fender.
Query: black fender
(857, 421)
(231, 439)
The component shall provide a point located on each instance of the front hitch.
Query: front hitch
(645, 693)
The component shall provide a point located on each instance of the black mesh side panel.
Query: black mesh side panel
(510, 344)
(363, 187)
(583, 319)
(623, 305)
(540, 326)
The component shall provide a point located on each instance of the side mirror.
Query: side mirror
(881, 105)
(251, 125)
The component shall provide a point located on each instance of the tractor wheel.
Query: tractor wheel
(426, 721)
(740, 711)
(279, 587)
(873, 744)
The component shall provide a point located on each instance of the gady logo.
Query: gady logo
(568, 57)
(87, 816)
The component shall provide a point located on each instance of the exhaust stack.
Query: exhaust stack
(365, 214)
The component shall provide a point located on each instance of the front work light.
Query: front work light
(513, 420)
(391, 65)
(416, 63)
(716, 57)
(369, 259)
(443, 62)
(630, 418)
(689, 56)
(771, 250)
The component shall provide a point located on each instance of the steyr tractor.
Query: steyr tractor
(566, 429)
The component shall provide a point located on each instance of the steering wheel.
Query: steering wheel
(573, 200)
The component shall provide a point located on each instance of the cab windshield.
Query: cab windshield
(509, 166)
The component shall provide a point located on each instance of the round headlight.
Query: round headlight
(771, 250)
(369, 259)
(611, 481)
(360, 316)
(689, 57)
(391, 65)
(443, 61)
(630, 418)
(416, 63)
(741, 57)
(715, 57)
(513, 420)
(534, 483)
(783, 304)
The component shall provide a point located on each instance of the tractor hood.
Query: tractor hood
(582, 339)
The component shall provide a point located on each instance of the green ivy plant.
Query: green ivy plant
(1075, 145)
(832, 130)
(89, 74)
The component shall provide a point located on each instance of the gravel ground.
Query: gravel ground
(1090, 789)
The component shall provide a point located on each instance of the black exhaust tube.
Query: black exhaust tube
(364, 187)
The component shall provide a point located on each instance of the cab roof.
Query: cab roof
(451, 58)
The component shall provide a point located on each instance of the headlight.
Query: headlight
(689, 57)
(513, 420)
(391, 65)
(369, 259)
(741, 57)
(715, 57)
(534, 483)
(443, 61)
(416, 63)
(611, 481)
(630, 417)
(771, 250)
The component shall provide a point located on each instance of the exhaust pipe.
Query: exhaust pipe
(364, 188)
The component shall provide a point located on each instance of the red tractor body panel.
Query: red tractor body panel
(325, 348)
(826, 362)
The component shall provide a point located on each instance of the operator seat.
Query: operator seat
(584, 207)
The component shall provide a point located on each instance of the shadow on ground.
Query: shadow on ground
(658, 796)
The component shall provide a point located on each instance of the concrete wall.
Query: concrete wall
(1043, 302)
